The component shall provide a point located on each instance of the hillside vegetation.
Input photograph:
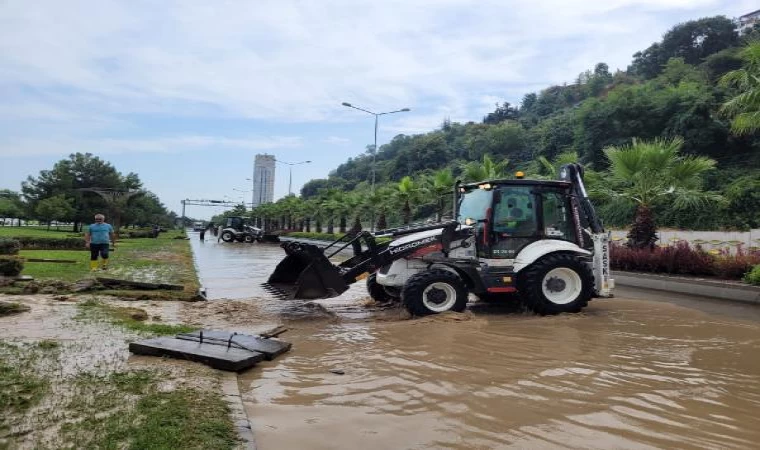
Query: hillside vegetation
(673, 93)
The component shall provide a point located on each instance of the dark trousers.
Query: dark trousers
(98, 249)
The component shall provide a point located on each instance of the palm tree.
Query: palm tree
(650, 173)
(745, 107)
(545, 169)
(487, 170)
(440, 185)
(331, 206)
(406, 194)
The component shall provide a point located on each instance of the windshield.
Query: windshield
(474, 204)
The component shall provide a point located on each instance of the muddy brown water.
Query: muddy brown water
(629, 372)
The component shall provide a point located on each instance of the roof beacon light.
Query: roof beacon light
(519, 175)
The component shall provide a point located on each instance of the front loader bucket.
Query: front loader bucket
(305, 273)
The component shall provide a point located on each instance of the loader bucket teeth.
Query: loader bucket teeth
(305, 273)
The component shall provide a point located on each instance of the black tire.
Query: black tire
(248, 238)
(556, 283)
(377, 291)
(228, 236)
(434, 291)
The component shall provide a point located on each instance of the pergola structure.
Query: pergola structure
(116, 199)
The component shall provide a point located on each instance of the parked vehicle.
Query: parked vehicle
(199, 226)
(236, 229)
(535, 241)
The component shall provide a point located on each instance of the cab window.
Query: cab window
(514, 214)
(474, 205)
(556, 216)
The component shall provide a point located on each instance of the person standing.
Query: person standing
(97, 238)
(203, 233)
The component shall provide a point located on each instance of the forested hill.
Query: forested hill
(670, 89)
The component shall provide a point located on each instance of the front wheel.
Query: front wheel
(434, 291)
(248, 238)
(556, 283)
(228, 236)
(377, 291)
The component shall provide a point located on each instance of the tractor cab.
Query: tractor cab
(236, 223)
(509, 215)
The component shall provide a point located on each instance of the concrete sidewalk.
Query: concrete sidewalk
(702, 287)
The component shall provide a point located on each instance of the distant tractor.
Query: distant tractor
(236, 229)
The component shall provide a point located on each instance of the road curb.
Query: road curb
(239, 417)
(724, 290)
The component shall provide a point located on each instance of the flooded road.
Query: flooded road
(629, 372)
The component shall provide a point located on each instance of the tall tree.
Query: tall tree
(693, 41)
(744, 108)
(11, 206)
(69, 176)
(57, 208)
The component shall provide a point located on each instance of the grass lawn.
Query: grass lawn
(161, 260)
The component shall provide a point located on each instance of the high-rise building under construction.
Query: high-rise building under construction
(263, 179)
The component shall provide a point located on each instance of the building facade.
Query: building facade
(263, 179)
(749, 20)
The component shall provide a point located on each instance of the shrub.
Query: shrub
(46, 243)
(140, 234)
(677, 259)
(11, 266)
(9, 246)
(753, 276)
(682, 259)
(734, 266)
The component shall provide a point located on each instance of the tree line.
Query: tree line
(77, 188)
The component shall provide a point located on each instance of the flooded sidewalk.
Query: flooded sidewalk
(626, 373)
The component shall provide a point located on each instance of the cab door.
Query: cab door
(514, 221)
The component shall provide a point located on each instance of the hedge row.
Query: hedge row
(11, 266)
(46, 243)
(141, 234)
(680, 259)
(9, 246)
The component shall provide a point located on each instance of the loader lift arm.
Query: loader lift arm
(307, 272)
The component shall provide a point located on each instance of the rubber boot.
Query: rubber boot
(104, 264)
(93, 266)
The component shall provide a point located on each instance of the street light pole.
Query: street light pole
(290, 174)
(374, 150)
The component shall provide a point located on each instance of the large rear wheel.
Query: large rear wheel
(434, 291)
(228, 236)
(556, 283)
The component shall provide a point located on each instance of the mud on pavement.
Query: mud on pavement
(68, 380)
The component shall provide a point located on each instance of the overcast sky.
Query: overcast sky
(185, 93)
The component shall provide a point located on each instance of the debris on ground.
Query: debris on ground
(8, 308)
(219, 349)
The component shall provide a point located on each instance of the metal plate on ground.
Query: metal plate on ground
(217, 356)
(270, 347)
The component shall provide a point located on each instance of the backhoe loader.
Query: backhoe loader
(535, 241)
